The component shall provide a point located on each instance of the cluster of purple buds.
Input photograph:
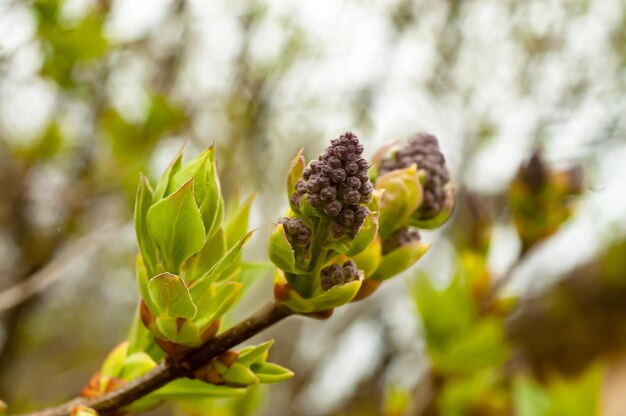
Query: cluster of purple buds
(424, 152)
(297, 233)
(336, 275)
(337, 183)
(400, 238)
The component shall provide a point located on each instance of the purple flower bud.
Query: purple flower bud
(337, 230)
(315, 166)
(338, 175)
(333, 208)
(352, 168)
(340, 152)
(349, 270)
(352, 197)
(337, 277)
(353, 182)
(363, 164)
(306, 173)
(346, 217)
(328, 194)
(334, 162)
(327, 283)
(314, 199)
(295, 199)
(312, 186)
(358, 149)
(361, 214)
(301, 187)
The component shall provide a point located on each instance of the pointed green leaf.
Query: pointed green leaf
(223, 269)
(176, 226)
(399, 260)
(171, 297)
(366, 234)
(295, 172)
(142, 279)
(143, 202)
(183, 388)
(139, 338)
(136, 365)
(240, 375)
(115, 361)
(281, 252)
(236, 225)
(252, 354)
(196, 169)
(212, 251)
(212, 205)
(217, 301)
(251, 272)
(181, 332)
(402, 195)
(171, 169)
(271, 373)
(332, 298)
(369, 259)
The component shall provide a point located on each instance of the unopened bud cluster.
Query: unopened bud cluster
(400, 238)
(336, 275)
(337, 183)
(296, 231)
(424, 152)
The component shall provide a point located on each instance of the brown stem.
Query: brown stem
(167, 371)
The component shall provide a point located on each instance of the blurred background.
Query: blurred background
(93, 92)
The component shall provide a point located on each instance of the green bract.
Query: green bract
(244, 368)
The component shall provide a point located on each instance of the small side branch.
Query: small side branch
(166, 371)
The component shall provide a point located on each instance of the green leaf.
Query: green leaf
(446, 314)
(399, 260)
(482, 346)
(295, 172)
(171, 297)
(281, 252)
(136, 365)
(271, 373)
(530, 399)
(332, 298)
(142, 279)
(217, 301)
(401, 197)
(212, 205)
(236, 225)
(139, 338)
(251, 272)
(254, 353)
(197, 169)
(114, 362)
(176, 226)
(240, 375)
(212, 251)
(180, 331)
(223, 269)
(183, 388)
(365, 236)
(170, 171)
(369, 259)
(143, 201)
